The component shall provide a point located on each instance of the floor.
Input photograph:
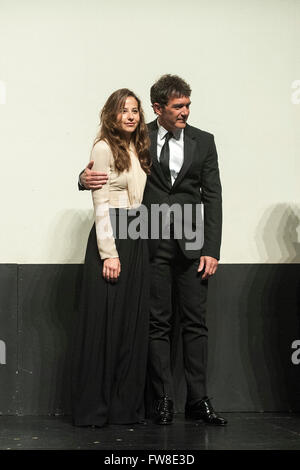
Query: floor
(247, 431)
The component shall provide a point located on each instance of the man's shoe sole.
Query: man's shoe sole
(194, 418)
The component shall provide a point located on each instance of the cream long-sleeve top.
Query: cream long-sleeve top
(122, 190)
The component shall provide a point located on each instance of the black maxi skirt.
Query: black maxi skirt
(110, 341)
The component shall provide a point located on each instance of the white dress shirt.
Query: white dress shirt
(176, 149)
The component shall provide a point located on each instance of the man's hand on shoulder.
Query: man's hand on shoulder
(209, 265)
(92, 179)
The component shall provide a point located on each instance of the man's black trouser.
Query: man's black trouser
(170, 269)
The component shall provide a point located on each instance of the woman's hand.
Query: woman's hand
(111, 269)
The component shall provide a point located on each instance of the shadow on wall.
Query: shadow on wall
(71, 228)
(48, 301)
(254, 317)
(253, 320)
(75, 227)
(277, 234)
(272, 316)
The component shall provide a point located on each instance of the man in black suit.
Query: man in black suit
(184, 175)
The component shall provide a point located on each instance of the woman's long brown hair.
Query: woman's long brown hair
(111, 132)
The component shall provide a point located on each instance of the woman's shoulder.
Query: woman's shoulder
(102, 145)
(101, 148)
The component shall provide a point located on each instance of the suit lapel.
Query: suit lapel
(189, 147)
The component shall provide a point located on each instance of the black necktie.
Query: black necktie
(165, 158)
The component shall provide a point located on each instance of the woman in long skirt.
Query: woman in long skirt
(111, 332)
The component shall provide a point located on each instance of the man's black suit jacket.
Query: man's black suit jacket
(197, 182)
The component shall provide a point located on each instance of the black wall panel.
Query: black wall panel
(48, 296)
(9, 391)
(253, 318)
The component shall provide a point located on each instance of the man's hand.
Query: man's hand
(209, 265)
(92, 179)
(111, 269)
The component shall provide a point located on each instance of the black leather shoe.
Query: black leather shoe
(164, 411)
(203, 410)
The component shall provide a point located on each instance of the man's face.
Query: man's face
(174, 115)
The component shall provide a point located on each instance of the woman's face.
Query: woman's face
(129, 117)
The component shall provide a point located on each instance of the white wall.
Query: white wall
(59, 61)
